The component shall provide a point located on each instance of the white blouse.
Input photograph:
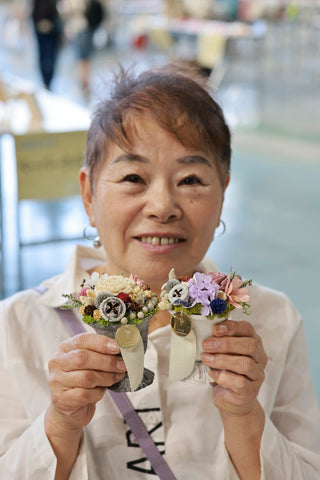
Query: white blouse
(181, 417)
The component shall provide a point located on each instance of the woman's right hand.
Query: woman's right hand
(79, 373)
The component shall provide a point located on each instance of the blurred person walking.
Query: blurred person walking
(47, 27)
(81, 19)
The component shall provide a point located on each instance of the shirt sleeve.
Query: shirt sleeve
(24, 448)
(290, 446)
(25, 451)
(282, 459)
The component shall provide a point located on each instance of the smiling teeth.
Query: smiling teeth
(160, 240)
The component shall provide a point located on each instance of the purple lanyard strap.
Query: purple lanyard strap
(124, 405)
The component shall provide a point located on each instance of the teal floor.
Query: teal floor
(272, 214)
(272, 206)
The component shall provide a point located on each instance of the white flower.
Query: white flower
(115, 284)
(172, 274)
(86, 300)
(164, 304)
(163, 293)
(95, 276)
(140, 297)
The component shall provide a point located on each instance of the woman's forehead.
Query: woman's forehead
(153, 142)
(144, 127)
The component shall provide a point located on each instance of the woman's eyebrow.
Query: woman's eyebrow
(129, 157)
(186, 160)
(194, 159)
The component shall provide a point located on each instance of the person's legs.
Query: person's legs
(84, 71)
(47, 44)
(85, 47)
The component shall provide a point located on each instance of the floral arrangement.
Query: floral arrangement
(212, 294)
(113, 299)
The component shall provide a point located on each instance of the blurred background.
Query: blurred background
(262, 61)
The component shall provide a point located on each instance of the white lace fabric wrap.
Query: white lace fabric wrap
(134, 361)
(185, 352)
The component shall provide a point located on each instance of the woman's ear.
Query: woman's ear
(226, 183)
(86, 194)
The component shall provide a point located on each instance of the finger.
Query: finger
(86, 360)
(75, 398)
(247, 346)
(229, 401)
(240, 329)
(241, 365)
(235, 329)
(90, 341)
(85, 379)
(238, 384)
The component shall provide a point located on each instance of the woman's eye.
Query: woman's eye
(133, 178)
(191, 180)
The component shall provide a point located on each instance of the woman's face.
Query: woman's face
(156, 207)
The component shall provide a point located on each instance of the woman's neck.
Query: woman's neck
(160, 319)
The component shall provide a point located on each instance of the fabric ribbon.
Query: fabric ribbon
(185, 353)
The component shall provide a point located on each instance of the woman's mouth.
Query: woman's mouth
(160, 240)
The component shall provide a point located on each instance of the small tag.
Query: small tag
(181, 324)
(128, 337)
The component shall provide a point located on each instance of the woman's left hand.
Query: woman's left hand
(237, 361)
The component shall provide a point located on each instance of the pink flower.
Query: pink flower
(220, 278)
(235, 293)
(83, 291)
(139, 282)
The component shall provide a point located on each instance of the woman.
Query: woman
(157, 166)
(80, 23)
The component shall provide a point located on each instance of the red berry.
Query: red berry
(124, 297)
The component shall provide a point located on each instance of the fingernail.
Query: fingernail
(220, 329)
(207, 358)
(121, 365)
(113, 347)
(211, 343)
(214, 374)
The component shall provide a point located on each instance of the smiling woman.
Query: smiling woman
(153, 183)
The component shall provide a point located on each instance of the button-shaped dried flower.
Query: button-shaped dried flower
(100, 297)
(178, 293)
(112, 309)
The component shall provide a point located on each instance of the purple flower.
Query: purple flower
(205, 311)
(202, 290)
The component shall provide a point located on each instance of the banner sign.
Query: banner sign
(48, 164)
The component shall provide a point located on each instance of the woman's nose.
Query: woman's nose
(162, 205)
